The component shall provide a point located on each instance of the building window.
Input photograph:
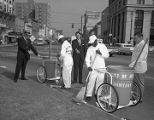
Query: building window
(10, 10)
(140, 1)
(124, 2)
(152, 30)
(139, 21)
(152, 20)
(5, 8)
(120, 4)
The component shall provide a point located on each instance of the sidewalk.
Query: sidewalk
(30, 100)
(6, 45)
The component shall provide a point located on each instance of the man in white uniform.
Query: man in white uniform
(95, 56)
(67, 61)
(141, 66)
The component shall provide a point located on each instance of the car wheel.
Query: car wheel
(110, 54)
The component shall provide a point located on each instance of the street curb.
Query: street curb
(8, 45)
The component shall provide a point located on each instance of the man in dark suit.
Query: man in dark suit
(79, 51)
(24, 46)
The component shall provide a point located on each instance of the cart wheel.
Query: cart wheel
(41, 74)
(107, 97)
(135, 94)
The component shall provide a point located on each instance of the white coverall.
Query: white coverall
(67, 63)
(95, 78)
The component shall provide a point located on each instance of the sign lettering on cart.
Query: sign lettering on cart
(122, 85)
(122, 80)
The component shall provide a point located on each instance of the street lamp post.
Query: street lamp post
(81, 23)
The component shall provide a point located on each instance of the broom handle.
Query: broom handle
(91, 66)
(140, 54)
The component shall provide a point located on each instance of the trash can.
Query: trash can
(122, 81)
(50, 67)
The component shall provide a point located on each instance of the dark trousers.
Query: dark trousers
(139, 79)
(20, 66)
(78, 66)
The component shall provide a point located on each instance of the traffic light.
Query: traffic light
(72, 25)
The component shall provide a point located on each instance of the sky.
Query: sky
(65, 12)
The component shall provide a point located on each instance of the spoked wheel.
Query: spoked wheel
(41, 74)
(107, 97)
(135, 94)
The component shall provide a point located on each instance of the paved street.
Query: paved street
(30, 100)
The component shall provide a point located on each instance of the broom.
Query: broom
(146, 41)
(81, 94)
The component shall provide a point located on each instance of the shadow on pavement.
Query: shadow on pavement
(33, 77)
(8, 74)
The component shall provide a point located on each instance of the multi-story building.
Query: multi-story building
(7, 6)
(105, 22)
(27, 9)
(19, 25)
(130, 16)
(41, 13)
(7, 18)
(23, 8)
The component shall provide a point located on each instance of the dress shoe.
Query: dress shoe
(74, 82)
(24, 78)
(81, 82)
(15, 80)
(88, 99)
(63, 87)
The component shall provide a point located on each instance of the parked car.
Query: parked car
(40, 41)
(112, 49)
(47, 41)
(125, 48)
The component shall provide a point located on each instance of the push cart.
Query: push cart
(118, 89)
(49, 70)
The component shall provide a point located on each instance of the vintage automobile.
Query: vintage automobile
(125, 48)
(112, 49)
(40, 41)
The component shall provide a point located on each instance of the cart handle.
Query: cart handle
(44, 56)
(102, 70)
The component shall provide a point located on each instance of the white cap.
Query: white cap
(73, 38)
(92, 39)
(60, 36)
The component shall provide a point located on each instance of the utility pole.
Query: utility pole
(81, 23)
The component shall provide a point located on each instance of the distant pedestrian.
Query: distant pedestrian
(141, 66)
(24, 47)
(95, 60)
(79, 51)
(67, 61)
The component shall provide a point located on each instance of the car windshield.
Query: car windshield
(128, 46)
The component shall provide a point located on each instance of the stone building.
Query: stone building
(130, 16)
(7, 19)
